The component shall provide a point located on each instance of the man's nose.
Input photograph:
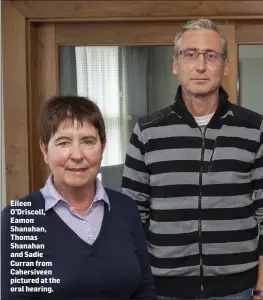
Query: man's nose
(201, 63)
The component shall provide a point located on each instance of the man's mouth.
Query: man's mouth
(200, 79)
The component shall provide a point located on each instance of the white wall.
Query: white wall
(251, 77)
(250, 51)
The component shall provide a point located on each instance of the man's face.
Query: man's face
(199, 76)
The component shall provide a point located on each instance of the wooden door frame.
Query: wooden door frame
(23, 84)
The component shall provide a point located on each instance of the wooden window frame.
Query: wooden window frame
(24, 49)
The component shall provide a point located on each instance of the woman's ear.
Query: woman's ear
(103, 145)
(43, 149)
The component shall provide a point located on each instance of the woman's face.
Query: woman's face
(74, 155)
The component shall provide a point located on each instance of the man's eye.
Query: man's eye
(211, 55)
(189, 54)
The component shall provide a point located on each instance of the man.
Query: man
(195, 170)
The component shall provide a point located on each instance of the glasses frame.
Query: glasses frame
(220, 55)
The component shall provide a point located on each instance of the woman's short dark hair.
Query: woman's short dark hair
(69, 108)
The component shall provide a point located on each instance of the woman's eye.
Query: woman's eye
(90, 142)
(63, 143)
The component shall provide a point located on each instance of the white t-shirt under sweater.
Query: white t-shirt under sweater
(204, 120)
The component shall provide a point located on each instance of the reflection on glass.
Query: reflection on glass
(127, 83)
(251, 77)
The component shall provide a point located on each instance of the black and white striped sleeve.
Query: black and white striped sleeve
(136, 177)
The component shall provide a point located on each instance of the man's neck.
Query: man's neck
(201, 106)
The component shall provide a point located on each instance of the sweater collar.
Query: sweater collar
(181, 110)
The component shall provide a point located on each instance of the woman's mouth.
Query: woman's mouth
(77, 169)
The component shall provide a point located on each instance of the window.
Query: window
(127, 83)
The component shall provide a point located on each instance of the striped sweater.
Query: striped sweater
(200, 195)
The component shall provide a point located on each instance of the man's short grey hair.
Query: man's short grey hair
(201, 24)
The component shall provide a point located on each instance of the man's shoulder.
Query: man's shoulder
(155, 118)
(252, 118)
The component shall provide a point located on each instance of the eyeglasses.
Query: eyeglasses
(210, 56)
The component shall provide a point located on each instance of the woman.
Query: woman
(75, 239)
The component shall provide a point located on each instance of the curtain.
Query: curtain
(98, 79)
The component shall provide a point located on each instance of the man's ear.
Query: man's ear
(43, 149)
(226, 67)
(175, 66)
